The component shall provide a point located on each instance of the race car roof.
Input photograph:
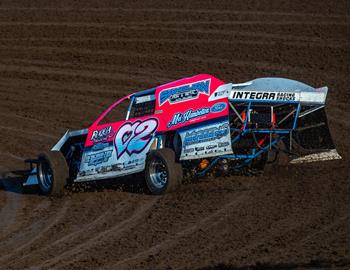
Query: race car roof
(145, 92)
(275, 84)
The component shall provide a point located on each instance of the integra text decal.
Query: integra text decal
(184, 92)
(258, 95)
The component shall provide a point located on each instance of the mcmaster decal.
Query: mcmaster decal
(134, 137)
(184, 92)
(181, 118)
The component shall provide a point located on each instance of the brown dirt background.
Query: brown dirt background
(62, 62)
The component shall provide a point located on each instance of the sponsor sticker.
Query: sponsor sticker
(102, 135)
(99, 146)
(264, 95)
(98, 158)
(213, 146)
(223, 144)
(134, 137)
(218, 107)
(181, 118)
(206, 135)
(189, 150)
(207, 140)
(184, 92)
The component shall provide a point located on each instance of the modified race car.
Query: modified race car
(191, 127)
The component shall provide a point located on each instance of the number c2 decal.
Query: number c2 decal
(134, 137)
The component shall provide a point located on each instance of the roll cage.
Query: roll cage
(141, 104)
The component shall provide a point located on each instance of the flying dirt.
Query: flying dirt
(62, 64)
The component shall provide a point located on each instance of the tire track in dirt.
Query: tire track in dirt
(174, 30)
(8, 211)
(82, 74)
(205, 23)
(67, 238)
(34, 134)
(39, 233)
(126, 225)
(296, 42)
(75, 60)
(175, 10)
(201, 224)
(18, 234)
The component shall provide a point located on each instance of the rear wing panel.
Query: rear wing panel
(272, 90)
(309, 137)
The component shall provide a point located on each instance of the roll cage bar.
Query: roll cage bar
(275, 134)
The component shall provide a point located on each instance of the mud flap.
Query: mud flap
(311, 140)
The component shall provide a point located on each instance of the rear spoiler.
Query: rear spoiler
(310, 139)
(272, 90)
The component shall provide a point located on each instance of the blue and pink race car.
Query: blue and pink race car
(191, 127)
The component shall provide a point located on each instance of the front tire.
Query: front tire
(52, 173)
(162, 174)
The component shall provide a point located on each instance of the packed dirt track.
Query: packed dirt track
(63, 62)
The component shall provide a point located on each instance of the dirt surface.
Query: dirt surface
(62, 62)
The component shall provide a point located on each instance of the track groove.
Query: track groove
(62, 63)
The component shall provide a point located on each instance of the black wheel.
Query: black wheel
(163, 174)
(52, 173)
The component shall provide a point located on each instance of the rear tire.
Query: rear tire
(162, 174)
(52, 173)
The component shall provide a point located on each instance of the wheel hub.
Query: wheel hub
(45, 175)
(158, 173)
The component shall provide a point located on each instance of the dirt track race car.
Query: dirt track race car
(191, 127)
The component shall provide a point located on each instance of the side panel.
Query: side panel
(117, 149)
(186, 102)
(211, 139)
(120, 148)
